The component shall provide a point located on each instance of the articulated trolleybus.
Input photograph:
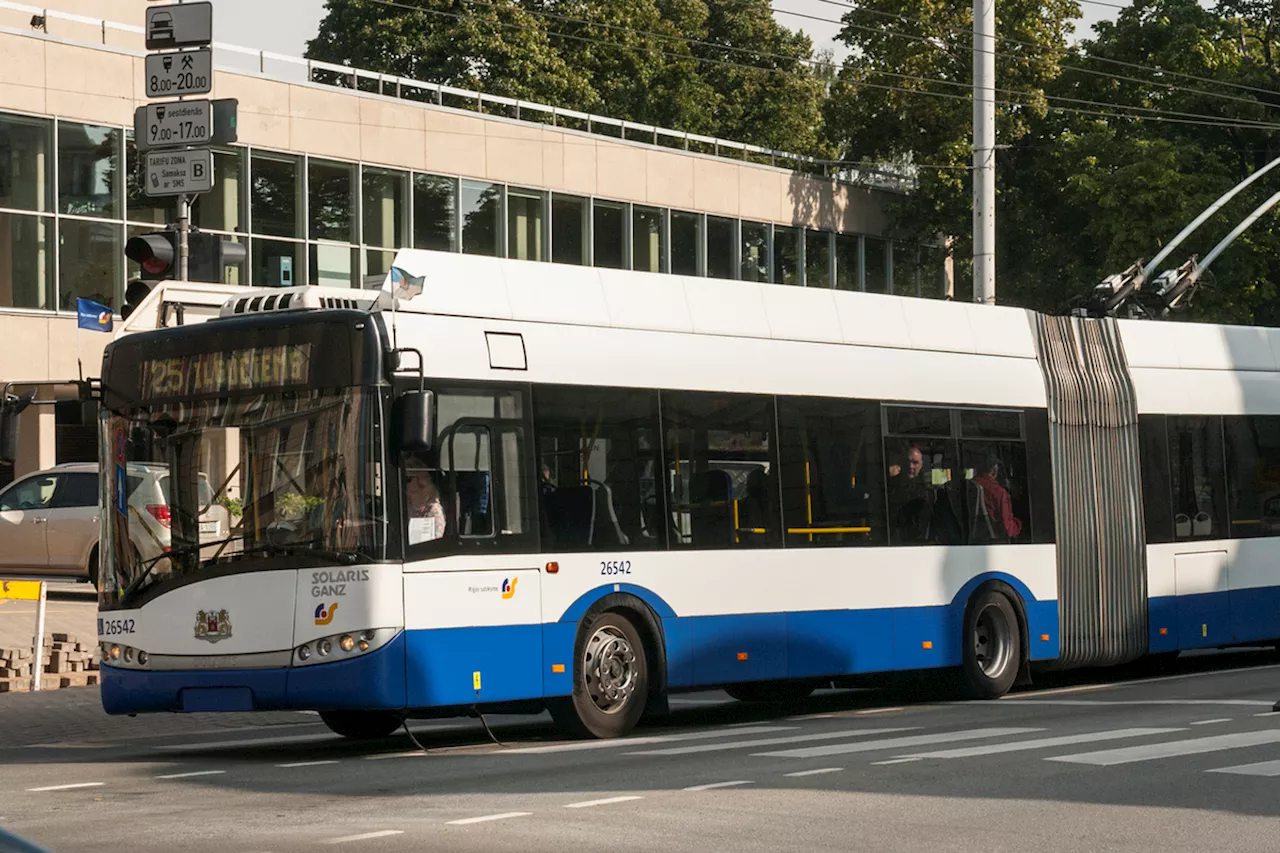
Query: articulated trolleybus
(500, 485)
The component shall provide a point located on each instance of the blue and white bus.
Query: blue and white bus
(503, 485)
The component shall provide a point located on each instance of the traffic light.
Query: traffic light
(136, 291)
(156, 253)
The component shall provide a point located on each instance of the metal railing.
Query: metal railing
(297, 69)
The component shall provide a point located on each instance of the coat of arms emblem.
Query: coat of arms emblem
(213, 625)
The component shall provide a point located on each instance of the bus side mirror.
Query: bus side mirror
(417, 421)
(10, 408)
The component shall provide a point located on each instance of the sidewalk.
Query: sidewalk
(70, 613)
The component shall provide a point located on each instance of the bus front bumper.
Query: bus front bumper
(374, 681)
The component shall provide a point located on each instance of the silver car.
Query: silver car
(49, 521)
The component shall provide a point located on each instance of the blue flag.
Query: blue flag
(404, 285)
(93, 316)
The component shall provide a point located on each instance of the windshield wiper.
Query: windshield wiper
(176, 552)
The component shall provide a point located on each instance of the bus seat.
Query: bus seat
(980, 528)
(606, 517)
(570, 515)
(711, 509)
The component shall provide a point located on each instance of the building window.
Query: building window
(89, 179)
(848, 262)
(832, 475)
(385, 214)
(569, 229)
(376, 266)
(525, 225)
(26, 261)
(91, 258)
(481, 211)
(333, 265)
(876, 261)
(26, 173)
(140, 207)
(786, 255)
(754, 258)
(219, 209)
(331, 201)
(599, 468)
(817, 259)
(721, 237)
(648, 246)
(906, 270)
(277, 195)
(435, 213)
(720, 469)
(276, 263)
(933, 272)
(684, 243)
(1195, 451)
(609, 235)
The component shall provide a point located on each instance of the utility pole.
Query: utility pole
(984, 151)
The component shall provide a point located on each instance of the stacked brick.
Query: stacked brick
(67, 662)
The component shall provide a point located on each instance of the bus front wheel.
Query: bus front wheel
(610, 680)
(361, 725)
(992, 646)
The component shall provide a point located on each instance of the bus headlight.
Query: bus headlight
(320, 650)
(114, 652)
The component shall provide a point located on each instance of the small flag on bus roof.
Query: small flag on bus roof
(405, 286)
(93, 316)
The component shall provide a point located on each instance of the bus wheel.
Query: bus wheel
(93, 567)
(784, 692)
(610, 680)
(992, 646)
(361, 725)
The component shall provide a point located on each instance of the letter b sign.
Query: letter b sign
(197, 170)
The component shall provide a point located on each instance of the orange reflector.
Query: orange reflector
(742, 655)
(927, 644)
(1164, 631)
(557, 667)
(1044, 638)
(552, 568)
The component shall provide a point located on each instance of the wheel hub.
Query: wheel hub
(609, 668)
(991, 641)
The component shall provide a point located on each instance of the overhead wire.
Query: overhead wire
(1168, 116)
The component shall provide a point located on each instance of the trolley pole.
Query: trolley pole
(984, 151)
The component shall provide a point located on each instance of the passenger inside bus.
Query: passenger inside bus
(992, 506)
(422, 500)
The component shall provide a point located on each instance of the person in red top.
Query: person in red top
(996, 497)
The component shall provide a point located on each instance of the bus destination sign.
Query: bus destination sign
(251, 369)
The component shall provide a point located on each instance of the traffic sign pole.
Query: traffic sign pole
(184, 233)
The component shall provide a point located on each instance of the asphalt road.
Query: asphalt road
(1186, 761)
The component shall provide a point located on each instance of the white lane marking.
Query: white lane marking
(677, 701)
(816, 772)
(307, 763)
(1211, 722)
(194, 773)
(772, 741)
(1265, 714)
(1041, 743)
(715, 785)
(1261, 768)
(895, 743)
(640, 741)
(486, 818)
(226, 744)
(894, 761)
(406, 754)
(878, 710)
(365, 836)
(66, 787)
(1096, 703)
(608, 801)
(1170, 749)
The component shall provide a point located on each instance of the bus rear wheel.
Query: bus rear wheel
(784, 692)
(610, 680)
(992, 647)
(361, 725)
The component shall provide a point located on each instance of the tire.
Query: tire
(785, 692)
(361, 725)
(992, 647)
(610, 680)
(93, 567)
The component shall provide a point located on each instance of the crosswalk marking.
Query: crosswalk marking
(775, 741)
(1041, 743)
(639, 741)
(1171, 749)
(895, 743)
(1262, 768)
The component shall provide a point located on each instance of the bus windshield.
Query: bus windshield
(213, 486)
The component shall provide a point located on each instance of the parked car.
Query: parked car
(49, 521)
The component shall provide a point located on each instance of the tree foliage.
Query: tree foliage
(718, 68)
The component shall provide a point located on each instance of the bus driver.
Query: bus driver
(426, 515)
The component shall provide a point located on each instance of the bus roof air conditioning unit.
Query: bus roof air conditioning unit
(310, 298)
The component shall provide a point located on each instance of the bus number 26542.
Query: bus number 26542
(615, 567)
